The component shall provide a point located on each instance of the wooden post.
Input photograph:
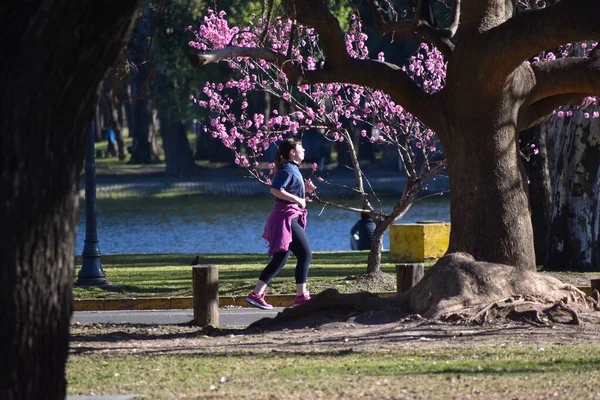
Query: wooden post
(205, 283)
(407, 276)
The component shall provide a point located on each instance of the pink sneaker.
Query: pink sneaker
(298, 300)
(258, 300)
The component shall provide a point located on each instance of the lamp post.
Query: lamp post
(91, 272)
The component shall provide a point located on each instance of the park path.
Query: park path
(238, 317)
(230, 182)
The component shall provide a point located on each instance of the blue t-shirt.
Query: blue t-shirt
(290, 179)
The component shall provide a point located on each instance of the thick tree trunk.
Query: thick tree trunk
(489, 208)
(488, 204)
(47, 100)
(574, 149)
(540, 192)
(178, 154)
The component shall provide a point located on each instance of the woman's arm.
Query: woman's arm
(283, 195)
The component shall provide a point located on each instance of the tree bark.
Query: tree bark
(110, 105)
(540, 192)
(574, 234)
(47, 100)
(374, 259)
(178, 154)
(489, 207)
(144, 149)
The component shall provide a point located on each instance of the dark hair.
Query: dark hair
(283, 151)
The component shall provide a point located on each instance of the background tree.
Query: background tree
(343, 114)
(173, 82)
(572, 137)
(113, 104)
(562, 193)
(574, 156)
(47, 101)
(491, 94)
(145, 149)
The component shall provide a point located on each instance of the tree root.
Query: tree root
(364, 306)
(523, 309)
(457, 286)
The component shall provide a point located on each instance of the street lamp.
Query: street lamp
(91, 272)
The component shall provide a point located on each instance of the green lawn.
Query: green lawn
(171, 274)
(514, 372)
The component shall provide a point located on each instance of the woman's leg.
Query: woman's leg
(271, 270)
(301, 249)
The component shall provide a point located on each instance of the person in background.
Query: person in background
(284, 229)
(362, 233)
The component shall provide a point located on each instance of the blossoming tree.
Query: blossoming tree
(491, 93)
(337, 110)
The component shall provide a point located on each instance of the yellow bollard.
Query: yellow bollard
(415, 243)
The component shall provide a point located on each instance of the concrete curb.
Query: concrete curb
(173, 303)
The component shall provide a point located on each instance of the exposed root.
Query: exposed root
(531, 316)
(457, 287)
(523, 309)
(560, 306)
(364, 307)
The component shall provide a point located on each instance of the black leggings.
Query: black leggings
(301, 250)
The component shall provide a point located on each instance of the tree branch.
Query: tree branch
(281, 61)
(559, 82)
(378, 75)
(529, 33)
(317, 15)
(565, 75)
(437, 37)
(340, 67)
(440, 38)
(453, 28)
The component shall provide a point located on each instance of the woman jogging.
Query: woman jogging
(284, 230)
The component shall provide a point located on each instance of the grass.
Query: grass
(170, 275)
(566, 371)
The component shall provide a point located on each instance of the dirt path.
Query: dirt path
(351, 335)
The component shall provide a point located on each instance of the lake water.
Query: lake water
(204, 224)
